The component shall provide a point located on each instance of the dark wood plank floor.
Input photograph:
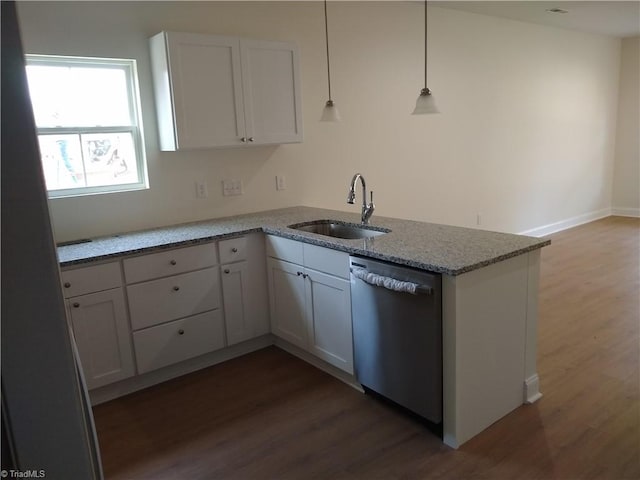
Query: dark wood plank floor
(269, 415)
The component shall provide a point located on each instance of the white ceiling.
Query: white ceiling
(618, 19)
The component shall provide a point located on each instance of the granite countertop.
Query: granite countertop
(428, 246)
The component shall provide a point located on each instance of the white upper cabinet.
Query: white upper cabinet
(214, 91)
(198, 89)
(271, 87)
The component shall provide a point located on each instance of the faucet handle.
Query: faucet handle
(367, 210)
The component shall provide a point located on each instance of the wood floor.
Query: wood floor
(269, 415)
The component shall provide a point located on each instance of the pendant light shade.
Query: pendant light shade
(330, 112)
(425, 104)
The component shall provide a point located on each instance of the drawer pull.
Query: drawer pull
(173, 262)
(181, 332)
(67, 285)
(176, 288)
(226, 270)
(76, 305)
(234, 250)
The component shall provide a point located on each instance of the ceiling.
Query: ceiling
(618, 19)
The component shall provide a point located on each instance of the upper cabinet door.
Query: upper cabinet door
(198, 85)
(271, 87)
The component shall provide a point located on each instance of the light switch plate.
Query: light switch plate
(202, 191)
(281, 182)
(232, 187)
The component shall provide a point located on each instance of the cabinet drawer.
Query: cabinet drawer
(285, 249)
(173, 342)
(326, 260)
(91, 279)
(170, 262)
(233, 250)
(159, 301)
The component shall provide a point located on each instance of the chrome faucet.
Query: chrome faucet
(367, 210)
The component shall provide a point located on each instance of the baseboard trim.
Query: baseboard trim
(149, 379)
(568, 223)
(626, 212)
(532, 389)
(318, 363)
(145, 380)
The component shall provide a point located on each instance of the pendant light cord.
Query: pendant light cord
(326, 36)
(425, 43)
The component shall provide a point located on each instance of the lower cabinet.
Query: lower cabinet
(165, 299)
(244, 287)
(329, 313)
(103, 337)
(153, 310)
(175, 305)
(179, 340)
(235, 293)
(288, 302)
(150, 311)
(311, 308)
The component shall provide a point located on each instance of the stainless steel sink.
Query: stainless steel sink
(332, 228)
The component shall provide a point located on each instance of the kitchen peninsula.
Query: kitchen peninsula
(489, 300)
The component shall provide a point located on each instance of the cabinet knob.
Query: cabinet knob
(243, 139)
(67, 285)
(76, 305)
(173, 262)
(176, 288)
(299, 273)
(181, 332)
(305, 275)
(234, 250)
(251, 139)
(226, 270)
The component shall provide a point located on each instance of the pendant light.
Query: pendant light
(330, 112)
(425, 103)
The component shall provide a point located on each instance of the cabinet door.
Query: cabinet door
(103, 337)
(287, 295)
(271, 87)
(234, 294)
(202, 93)
(329, 309)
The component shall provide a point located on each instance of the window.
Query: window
(89, 128)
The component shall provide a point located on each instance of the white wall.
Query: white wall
(626, 186)
(526, 137)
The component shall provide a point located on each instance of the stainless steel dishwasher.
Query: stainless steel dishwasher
(397, 334)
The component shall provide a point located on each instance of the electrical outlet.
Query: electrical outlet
(202, 191)
(281, 182)
(232, 187)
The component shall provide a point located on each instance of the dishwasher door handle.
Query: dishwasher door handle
(390, 283)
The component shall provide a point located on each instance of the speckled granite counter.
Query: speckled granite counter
(429, 246)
